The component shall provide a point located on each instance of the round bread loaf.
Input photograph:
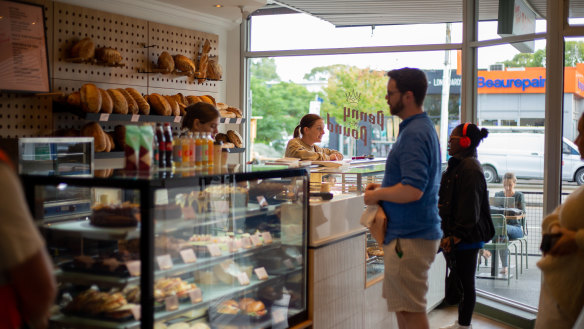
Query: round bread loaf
(83, 50)
(143, 106)
(184, 64)
(165, 62)
(132, 105)
(90, 98)
(235, 138)
(159, 104)
(221, 137)
(107, 104)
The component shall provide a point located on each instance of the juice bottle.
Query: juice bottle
(168, 143)
(176, 151)
(204, 150)
(191, 139)
(210, 149)
(186, 150)
(155, 151)
(161, 146)
(198, 150)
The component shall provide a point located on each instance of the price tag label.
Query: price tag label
(246, 243)
(288, 263)
(188, 256)
(136, 312)
(164, 262)
(135, 118)
(231, 246)
(177, 119)
(196, 296)
(104, 117)
(243, 279)
(262, 201)
(214, 250)
(188, 212)
(134, 267)
(171, 303)
(261, 273)
(267, 237)
(255, 240)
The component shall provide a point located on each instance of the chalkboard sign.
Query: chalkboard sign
(23, 48)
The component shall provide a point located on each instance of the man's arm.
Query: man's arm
(397, 193)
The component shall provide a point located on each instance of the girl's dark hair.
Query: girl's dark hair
(475, 134)
(205, 112)
(306, 121)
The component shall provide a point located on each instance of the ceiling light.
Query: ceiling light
(218, 6)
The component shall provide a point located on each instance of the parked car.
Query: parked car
(522, 154)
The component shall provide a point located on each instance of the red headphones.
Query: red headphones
(464, 141)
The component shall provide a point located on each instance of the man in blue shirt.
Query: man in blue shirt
(409, 198)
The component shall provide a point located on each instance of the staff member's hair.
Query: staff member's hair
(307, 121)
(510, 176)
(205, 112)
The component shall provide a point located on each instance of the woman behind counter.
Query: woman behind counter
(201, 117)
(312, 128)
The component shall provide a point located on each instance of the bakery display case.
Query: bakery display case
(193, 250)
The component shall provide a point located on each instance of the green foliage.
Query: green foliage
(281, 105)
(264, 69)
(573, 54)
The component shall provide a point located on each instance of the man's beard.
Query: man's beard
(395, 110)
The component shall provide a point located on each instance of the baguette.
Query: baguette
(120, 103)
(90, 98)
(107, 104)
(143, 106)
(132, 105)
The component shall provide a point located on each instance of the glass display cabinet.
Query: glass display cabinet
(181, 250)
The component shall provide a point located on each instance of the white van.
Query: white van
(522, 154)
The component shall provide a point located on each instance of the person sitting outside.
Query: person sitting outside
(514, 227)
(312, 128)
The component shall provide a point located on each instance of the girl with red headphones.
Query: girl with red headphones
(464, 209)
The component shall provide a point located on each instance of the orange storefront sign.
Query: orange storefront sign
(530, 80)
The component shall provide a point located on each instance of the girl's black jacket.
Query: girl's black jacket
(463, 202)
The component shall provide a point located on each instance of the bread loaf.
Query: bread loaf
(204, 61)
(214, 70)
(83, 50)
(90, 98)
(227, 114)
(222, 106)
(143, 106)
(93, 129)
(184, 64)
(107, 104)
(235, 111)
(120, 103)
(181, 99)
(208, 99)
(159, 104)
(221, 137)
(165, 62)
(175, 110)
(193, 100)
(74, 99)
(235, 138)
(108, 55)
(132, 105)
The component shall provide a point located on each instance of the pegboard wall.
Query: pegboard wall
(140, 42)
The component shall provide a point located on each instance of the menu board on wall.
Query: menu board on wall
(23, 48)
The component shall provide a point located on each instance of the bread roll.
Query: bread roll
(222, 106)
(184, 64)
(193, 100)
(93, 129)
(165, 62)
(83, 50)
(120, 103)
(74, 99)
(143, 106)
(227, 114)
(175, 110)
(159, 104)
(132, 105)
(236, 111)
(90, 98)
(108, 55)
(208, 99)
(107, 104)
(235, 138)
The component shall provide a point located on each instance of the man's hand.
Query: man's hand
(370, 197)
(372, 186)
(446, 244)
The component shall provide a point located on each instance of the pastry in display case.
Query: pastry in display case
(196, 251)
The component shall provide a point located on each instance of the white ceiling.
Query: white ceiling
(231, 10)
(388, 12)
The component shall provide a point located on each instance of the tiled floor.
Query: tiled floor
(441, 317)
